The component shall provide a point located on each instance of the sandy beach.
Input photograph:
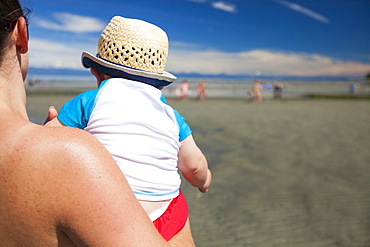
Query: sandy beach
(286, 173)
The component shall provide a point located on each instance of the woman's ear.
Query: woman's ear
(22, 38)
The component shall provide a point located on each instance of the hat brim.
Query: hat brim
(117, 70)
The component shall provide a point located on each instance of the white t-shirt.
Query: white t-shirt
(138, 128)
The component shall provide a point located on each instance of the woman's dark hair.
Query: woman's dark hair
(10, 10)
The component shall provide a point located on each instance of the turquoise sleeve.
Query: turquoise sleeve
(185, 129)
(76, 112)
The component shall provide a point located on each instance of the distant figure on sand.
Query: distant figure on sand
(128, 113)
(201, 90)
(182, 92)
(353, 88)
(257, 94)
(278, 90)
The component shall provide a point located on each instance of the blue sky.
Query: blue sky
(211, 37)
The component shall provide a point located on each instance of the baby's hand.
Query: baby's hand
(52, 113)
(204, 188)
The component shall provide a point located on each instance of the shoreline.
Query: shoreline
(219, 95)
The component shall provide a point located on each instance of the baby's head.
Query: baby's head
(132, 49)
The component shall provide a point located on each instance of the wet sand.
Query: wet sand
(286, 173)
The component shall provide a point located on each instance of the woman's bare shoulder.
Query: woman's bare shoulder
(91, 188)
(68, 146)
(51, 138)
(66, 160)
(70, 180)
(53, 149)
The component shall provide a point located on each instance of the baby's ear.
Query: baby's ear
(99, 76)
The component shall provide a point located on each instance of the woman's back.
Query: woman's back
(25, 211)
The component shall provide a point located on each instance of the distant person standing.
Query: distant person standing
(352, 88)
(182, 92)
(202, 90)
(257, 94)
(278, 90)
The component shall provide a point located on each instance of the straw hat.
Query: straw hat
(132, 49)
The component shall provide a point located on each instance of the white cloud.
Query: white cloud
(268, 63)
(71, 23)
(183, 45)
(228, 7)
(188, 58)
(304, 10)
(51, 54)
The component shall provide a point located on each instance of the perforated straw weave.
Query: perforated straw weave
(134, 43)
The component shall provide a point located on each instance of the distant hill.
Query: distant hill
(58, 72)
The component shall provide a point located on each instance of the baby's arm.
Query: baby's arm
(193, 165)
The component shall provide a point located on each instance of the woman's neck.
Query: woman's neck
(12, 91)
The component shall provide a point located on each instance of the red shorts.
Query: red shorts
(174, 218)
